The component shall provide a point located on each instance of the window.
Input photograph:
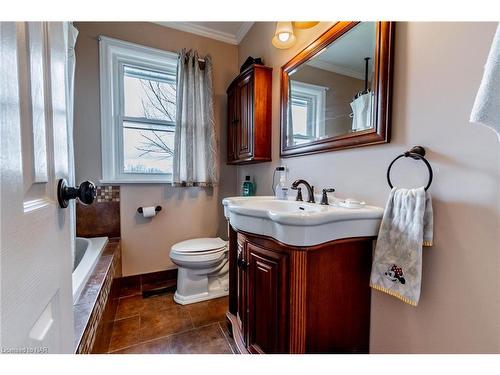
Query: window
(148, 121)
(138, 102)
(308, 111)
(303, 114)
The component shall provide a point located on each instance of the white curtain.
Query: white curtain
(195, 155)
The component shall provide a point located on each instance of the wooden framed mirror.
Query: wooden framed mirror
(336, 93)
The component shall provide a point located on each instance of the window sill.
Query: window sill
(135, 181)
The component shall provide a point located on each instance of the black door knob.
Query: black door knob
(86, 192)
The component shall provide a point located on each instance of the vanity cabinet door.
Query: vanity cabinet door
(267, 301)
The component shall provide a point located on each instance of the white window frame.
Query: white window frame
(316, 95)
(113, 55)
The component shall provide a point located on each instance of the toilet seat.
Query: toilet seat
(199, 260)
(199, 252)
(198, 246)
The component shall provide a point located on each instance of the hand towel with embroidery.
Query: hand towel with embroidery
(406, 226)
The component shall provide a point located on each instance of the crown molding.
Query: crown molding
(207, 32)
(244, 29)
(336, 69)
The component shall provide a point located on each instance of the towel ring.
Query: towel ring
(417, 153)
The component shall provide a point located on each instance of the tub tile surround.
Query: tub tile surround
(158, 325)
(95, 309)
(101, 218)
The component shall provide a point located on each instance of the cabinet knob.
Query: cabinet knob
(242, 263)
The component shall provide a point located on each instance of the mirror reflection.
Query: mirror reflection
(331, 94)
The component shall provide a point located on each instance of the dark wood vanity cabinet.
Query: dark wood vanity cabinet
(286, 299)
(249, 116)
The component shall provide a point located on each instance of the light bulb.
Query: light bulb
(283, 36)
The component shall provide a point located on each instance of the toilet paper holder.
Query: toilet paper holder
(157, 209)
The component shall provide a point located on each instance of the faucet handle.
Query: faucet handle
(324, 198)
(299, 193)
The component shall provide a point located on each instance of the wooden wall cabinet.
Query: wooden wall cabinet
(286, 299)
(249, 116)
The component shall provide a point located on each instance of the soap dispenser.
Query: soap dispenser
(281, 190)
(248, 188)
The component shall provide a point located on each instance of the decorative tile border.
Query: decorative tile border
(108, 193)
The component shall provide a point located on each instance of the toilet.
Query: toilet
(203, 269)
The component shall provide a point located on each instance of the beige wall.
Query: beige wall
(187, 212)
(438, 67)
(340, 93)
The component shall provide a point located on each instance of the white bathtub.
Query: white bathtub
(87, 253)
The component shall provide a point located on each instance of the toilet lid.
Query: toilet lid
(199, 245)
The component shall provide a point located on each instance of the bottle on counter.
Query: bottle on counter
(281, 191)
(248, 188)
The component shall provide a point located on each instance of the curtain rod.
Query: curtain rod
(199, 60)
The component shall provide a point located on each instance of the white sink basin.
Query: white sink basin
(300, 223)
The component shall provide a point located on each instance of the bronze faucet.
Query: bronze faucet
(310, 190)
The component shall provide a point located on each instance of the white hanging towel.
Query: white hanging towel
(486, 110)
(406, 226)
(362, 112)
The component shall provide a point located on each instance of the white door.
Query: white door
(35, 249)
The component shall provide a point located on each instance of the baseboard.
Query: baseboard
(136, 284)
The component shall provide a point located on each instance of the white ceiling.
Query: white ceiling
(229, 32)
(346, 54)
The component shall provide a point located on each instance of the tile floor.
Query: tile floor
(157, 325)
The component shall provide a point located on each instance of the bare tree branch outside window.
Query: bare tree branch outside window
(158, 104)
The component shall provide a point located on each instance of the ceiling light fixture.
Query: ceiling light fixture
(283, 36)
(305, 25)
